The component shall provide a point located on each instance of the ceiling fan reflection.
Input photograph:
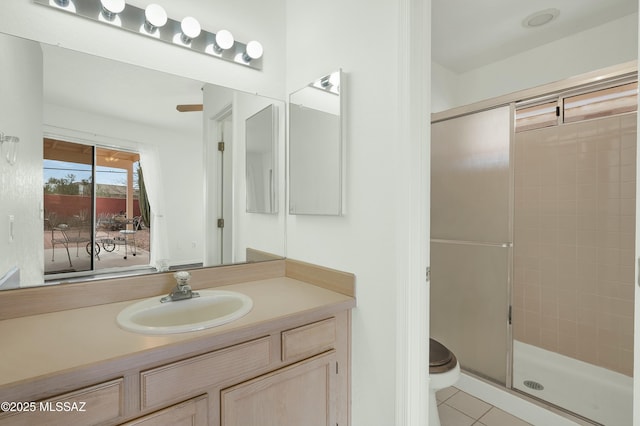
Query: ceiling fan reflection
(189, 107)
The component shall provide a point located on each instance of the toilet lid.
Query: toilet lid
(441, 359)
(438, 354)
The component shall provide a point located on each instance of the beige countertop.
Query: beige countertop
(38, 347)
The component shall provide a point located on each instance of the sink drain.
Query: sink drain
(533, 385)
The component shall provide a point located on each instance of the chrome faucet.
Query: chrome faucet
(182, 290)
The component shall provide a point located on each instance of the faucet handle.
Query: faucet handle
(182, 290)
(182, 277)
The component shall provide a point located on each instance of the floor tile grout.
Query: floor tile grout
(475, 421)
(449, 397)
(491, 407)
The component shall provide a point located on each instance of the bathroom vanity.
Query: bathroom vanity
(284, 363)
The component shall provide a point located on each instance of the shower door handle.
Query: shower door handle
(507, 244)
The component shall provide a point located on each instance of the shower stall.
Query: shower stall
(533, 245)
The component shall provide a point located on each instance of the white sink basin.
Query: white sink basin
(212, 308)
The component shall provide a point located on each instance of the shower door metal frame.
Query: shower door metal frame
(560, 96)
(508, 245)
(570, 86)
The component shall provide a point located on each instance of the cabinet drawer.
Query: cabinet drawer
(88, 406)
(192, 412)
(174, 381)
(308, 340)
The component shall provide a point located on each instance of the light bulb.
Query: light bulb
(254, 51)
(224, 39)
(155, 17)
(110, 8)
(67, 5)
(190, 29)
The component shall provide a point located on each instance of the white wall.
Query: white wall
(265, 232)
(378, 238)
(21, 184)
(444, 90)
(363, 241)
(246, 19)
(258, 231)
(609, 44)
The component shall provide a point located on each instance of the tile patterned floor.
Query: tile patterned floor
(458, 408)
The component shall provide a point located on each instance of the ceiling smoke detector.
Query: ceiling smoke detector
(540, 18)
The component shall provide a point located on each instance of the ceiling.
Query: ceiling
(468, 34)
(121, 91)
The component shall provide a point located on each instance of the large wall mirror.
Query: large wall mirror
(316, 147)
(87, 125)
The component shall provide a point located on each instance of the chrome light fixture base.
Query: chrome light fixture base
(133, 19)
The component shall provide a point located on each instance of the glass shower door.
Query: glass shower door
(573, 287)
(471, 232)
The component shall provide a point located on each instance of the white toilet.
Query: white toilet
(444, 371)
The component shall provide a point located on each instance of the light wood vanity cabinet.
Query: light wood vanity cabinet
(99, 404)
(301, 394)
(172, 382)
(311, 339)
(286, 363)
(288, 378)
(291, 377)
(189, 413)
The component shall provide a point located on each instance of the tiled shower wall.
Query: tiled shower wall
(574, 236)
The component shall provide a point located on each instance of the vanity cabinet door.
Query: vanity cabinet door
(189, 413)
(301, 394)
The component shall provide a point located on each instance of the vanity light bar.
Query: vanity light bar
(329, 83)
(155, 24)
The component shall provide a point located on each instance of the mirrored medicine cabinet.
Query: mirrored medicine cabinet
(261, 161)
(316, 147)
